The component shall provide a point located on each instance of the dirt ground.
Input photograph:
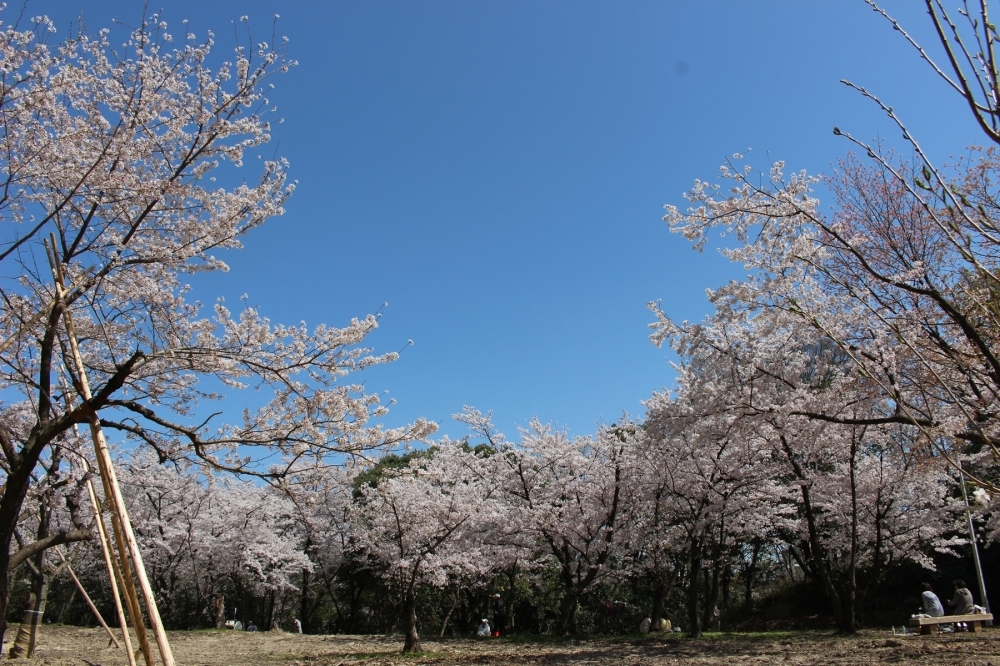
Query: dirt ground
(62, 646)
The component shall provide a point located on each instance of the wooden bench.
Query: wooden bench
(974, 621)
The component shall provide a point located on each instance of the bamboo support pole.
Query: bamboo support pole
(90, 602)
(110, 560)
(113, 572)
(125, 576)
(116, 572)
(128, 547)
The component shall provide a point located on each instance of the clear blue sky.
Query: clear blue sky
(496, 171)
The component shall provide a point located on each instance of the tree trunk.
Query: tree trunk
(727, 586)
(712, 598)
(219, 610)
(694, 619)
(24, 640)
(512, 578)
(456, 600)
(269, 610)
(11, 502)
(750, 572)
(34, 609)
(304, 601)
(661, 595)
(567, 613)
(412, 643)
(844, 621)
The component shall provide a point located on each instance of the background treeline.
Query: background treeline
(605, 522)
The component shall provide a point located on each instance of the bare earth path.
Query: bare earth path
(63, 646)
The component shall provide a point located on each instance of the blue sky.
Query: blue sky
(496, 172)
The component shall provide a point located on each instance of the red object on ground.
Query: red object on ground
(496, 634)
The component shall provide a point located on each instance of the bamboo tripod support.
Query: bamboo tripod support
(86, 597)
(128, 548)
(110, 563)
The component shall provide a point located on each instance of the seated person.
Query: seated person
(962, 601)
(931, 605)
(484, 629)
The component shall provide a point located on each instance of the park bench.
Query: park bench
(974, 621)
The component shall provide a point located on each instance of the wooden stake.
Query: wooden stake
(86, 596)
(119, 516)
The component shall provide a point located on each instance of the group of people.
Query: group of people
(962, 602)
(234, 623)
(499, 620)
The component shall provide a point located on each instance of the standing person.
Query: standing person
(930, 604)
(499, 616)
(298, 625)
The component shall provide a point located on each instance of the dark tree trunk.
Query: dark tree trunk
(750, 572)
(269, 605)
(512, 578)
(10, 508)
(659, 602)
(727, 586)
(844, 620)
(455, 601)
(663, 588)
(712, 598)
(304, 602)
(412, 643)
(567, 612)
(694, 619)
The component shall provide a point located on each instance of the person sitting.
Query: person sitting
(251, 626)
(644, 625)
(484, 629)
(963, 602)
(930, 605)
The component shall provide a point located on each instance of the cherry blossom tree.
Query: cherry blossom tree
(201, 536)
(902, 274)
(428, 524)
(572, 500)
(845, 484)
(716, 485)
(132, 161)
